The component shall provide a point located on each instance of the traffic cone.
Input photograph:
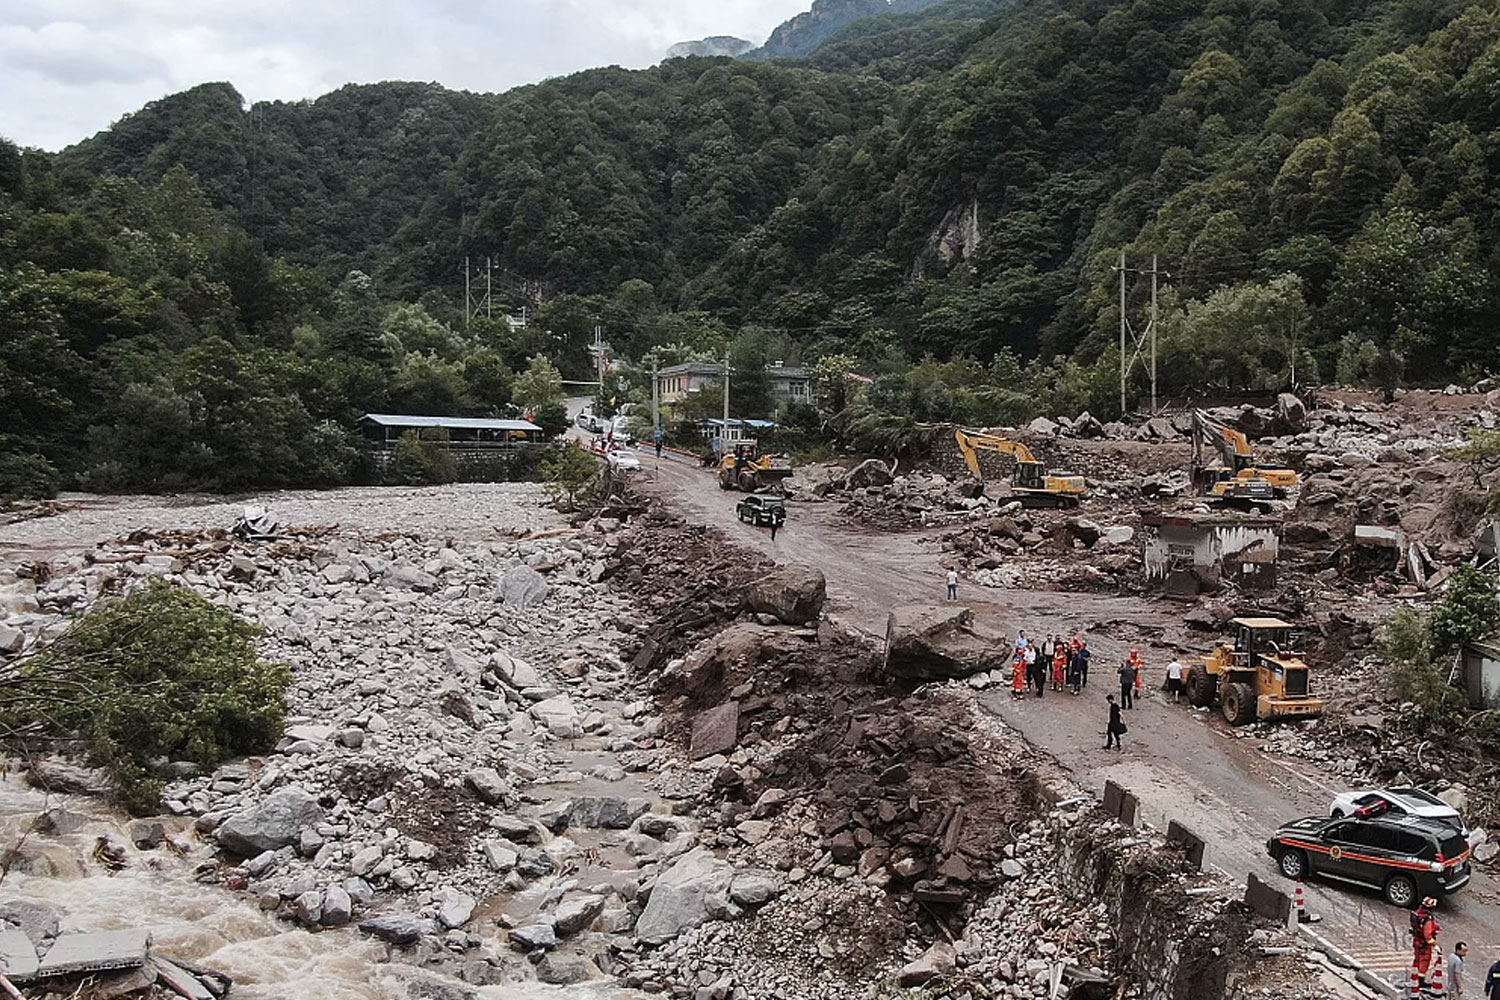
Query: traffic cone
(1414, 986)
(1299, 898)
(1435, 980)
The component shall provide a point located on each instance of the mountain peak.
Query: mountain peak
(717, 45)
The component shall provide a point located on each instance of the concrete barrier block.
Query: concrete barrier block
(1268, 902)
(1113, 794)
(1129, 807)
(1192, 844)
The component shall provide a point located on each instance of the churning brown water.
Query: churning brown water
(269, 959)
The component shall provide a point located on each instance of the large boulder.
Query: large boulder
(1291, 413)
(277, 822)
(680, 900)
(925, 642)
(794, 594)
(870, 472)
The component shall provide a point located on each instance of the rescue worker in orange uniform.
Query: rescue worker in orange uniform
(1424, 932)
(1018, 674)
(1140, 670)
(1059, 666)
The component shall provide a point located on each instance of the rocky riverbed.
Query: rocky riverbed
(524, 750)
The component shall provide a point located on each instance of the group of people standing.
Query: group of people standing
(1057, 660)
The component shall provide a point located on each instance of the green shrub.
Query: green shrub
(421, 463)
(567, 472)
(160, 675)
(27, 476)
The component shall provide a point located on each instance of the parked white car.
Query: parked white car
(623, 461)
(1404, 801)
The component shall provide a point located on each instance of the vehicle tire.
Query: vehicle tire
(1238, 704)
(1401, 890)
(1201, 687)
(1293, 864)
(1338, 814)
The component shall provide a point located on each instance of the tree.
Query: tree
(539, 385)
(160, 675)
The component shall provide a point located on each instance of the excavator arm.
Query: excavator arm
(971, 444)
(1232, 446)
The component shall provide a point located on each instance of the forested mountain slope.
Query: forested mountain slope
(1318, 178)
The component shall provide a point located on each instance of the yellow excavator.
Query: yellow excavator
(1234, 480)
(1031, 483)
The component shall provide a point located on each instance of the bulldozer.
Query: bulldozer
(1262, 676)
(748, 471)
(1031, 483)
(1234, 480)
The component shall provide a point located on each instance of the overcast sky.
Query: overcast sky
(68, 68)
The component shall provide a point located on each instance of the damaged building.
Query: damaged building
(1193, 553)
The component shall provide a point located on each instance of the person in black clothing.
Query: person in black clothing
(1127, 684)
(1116, 725)
(1492, 983)
(1081, 667)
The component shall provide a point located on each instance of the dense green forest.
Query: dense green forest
(208, 294)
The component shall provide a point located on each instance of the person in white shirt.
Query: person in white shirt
(1174, 680)
(952, 584)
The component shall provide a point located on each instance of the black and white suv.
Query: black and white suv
(1405, 857)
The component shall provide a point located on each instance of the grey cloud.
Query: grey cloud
(70, 67)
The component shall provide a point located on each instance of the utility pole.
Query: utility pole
(655, 402)
(1134, 344)
(599, 358)
(725, 434)
(467, 297)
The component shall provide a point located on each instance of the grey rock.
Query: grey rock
(679, 901)
(559, 716)
(411, 578)
(338, 908)
(868, 474)
(418, 984)
(454, 908)
(365, 859)
(535, 863)
(277, 822)
(556, 816)
(605, 812)
(516, 672)
(1011, 868)
(715, 731)
(938, 960)
(501, 855)
(522, 586)
(397, 928)
(359, 891)
(147, 834)
(534, 936)
(489, 786)
(794, 594)
(564, 970)
(941, 642)
(1044, 427)
(752, 889)
(576, 912)
(12, 640)
(308, 907)
(515, 828)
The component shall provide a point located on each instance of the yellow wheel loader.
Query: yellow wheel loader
(748, 471)
(1260, 677)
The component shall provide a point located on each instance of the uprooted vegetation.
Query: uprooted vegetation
(143, 682)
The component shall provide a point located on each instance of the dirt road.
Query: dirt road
(1182, 764)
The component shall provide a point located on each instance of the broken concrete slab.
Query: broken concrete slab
(100, 951)
(18, 959)
(715, 731)
(1378, 537)
(180, 981)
